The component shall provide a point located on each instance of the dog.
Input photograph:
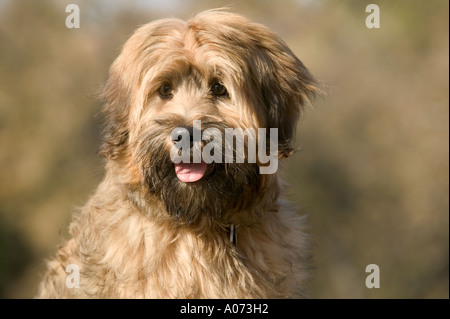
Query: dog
(210, 229)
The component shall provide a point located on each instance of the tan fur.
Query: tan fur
(125, 241)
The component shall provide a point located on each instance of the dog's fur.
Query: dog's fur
(146, 234)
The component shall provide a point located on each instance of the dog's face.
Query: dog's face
(217, 68)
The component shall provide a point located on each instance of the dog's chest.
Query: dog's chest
(151, 261)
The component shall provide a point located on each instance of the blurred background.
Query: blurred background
(372, 172)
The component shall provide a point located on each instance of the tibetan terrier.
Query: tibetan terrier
(189, 207)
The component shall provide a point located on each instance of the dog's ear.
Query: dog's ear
(276, 79)
(115, 97)
(125, 77)
(286, 85)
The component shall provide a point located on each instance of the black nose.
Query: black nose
(177, 133)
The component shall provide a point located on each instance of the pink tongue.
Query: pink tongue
(190, 172)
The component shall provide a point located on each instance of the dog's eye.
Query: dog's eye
(218, 90)
(165, 91)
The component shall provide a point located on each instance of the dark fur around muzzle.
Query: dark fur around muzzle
(225, 187)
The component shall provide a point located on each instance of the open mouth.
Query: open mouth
(190, 172)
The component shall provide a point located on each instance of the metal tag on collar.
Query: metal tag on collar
(233, 235)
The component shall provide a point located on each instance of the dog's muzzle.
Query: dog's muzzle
(188, 172)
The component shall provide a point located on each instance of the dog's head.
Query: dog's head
(213, 72)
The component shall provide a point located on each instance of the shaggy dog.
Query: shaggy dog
(160, 229)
